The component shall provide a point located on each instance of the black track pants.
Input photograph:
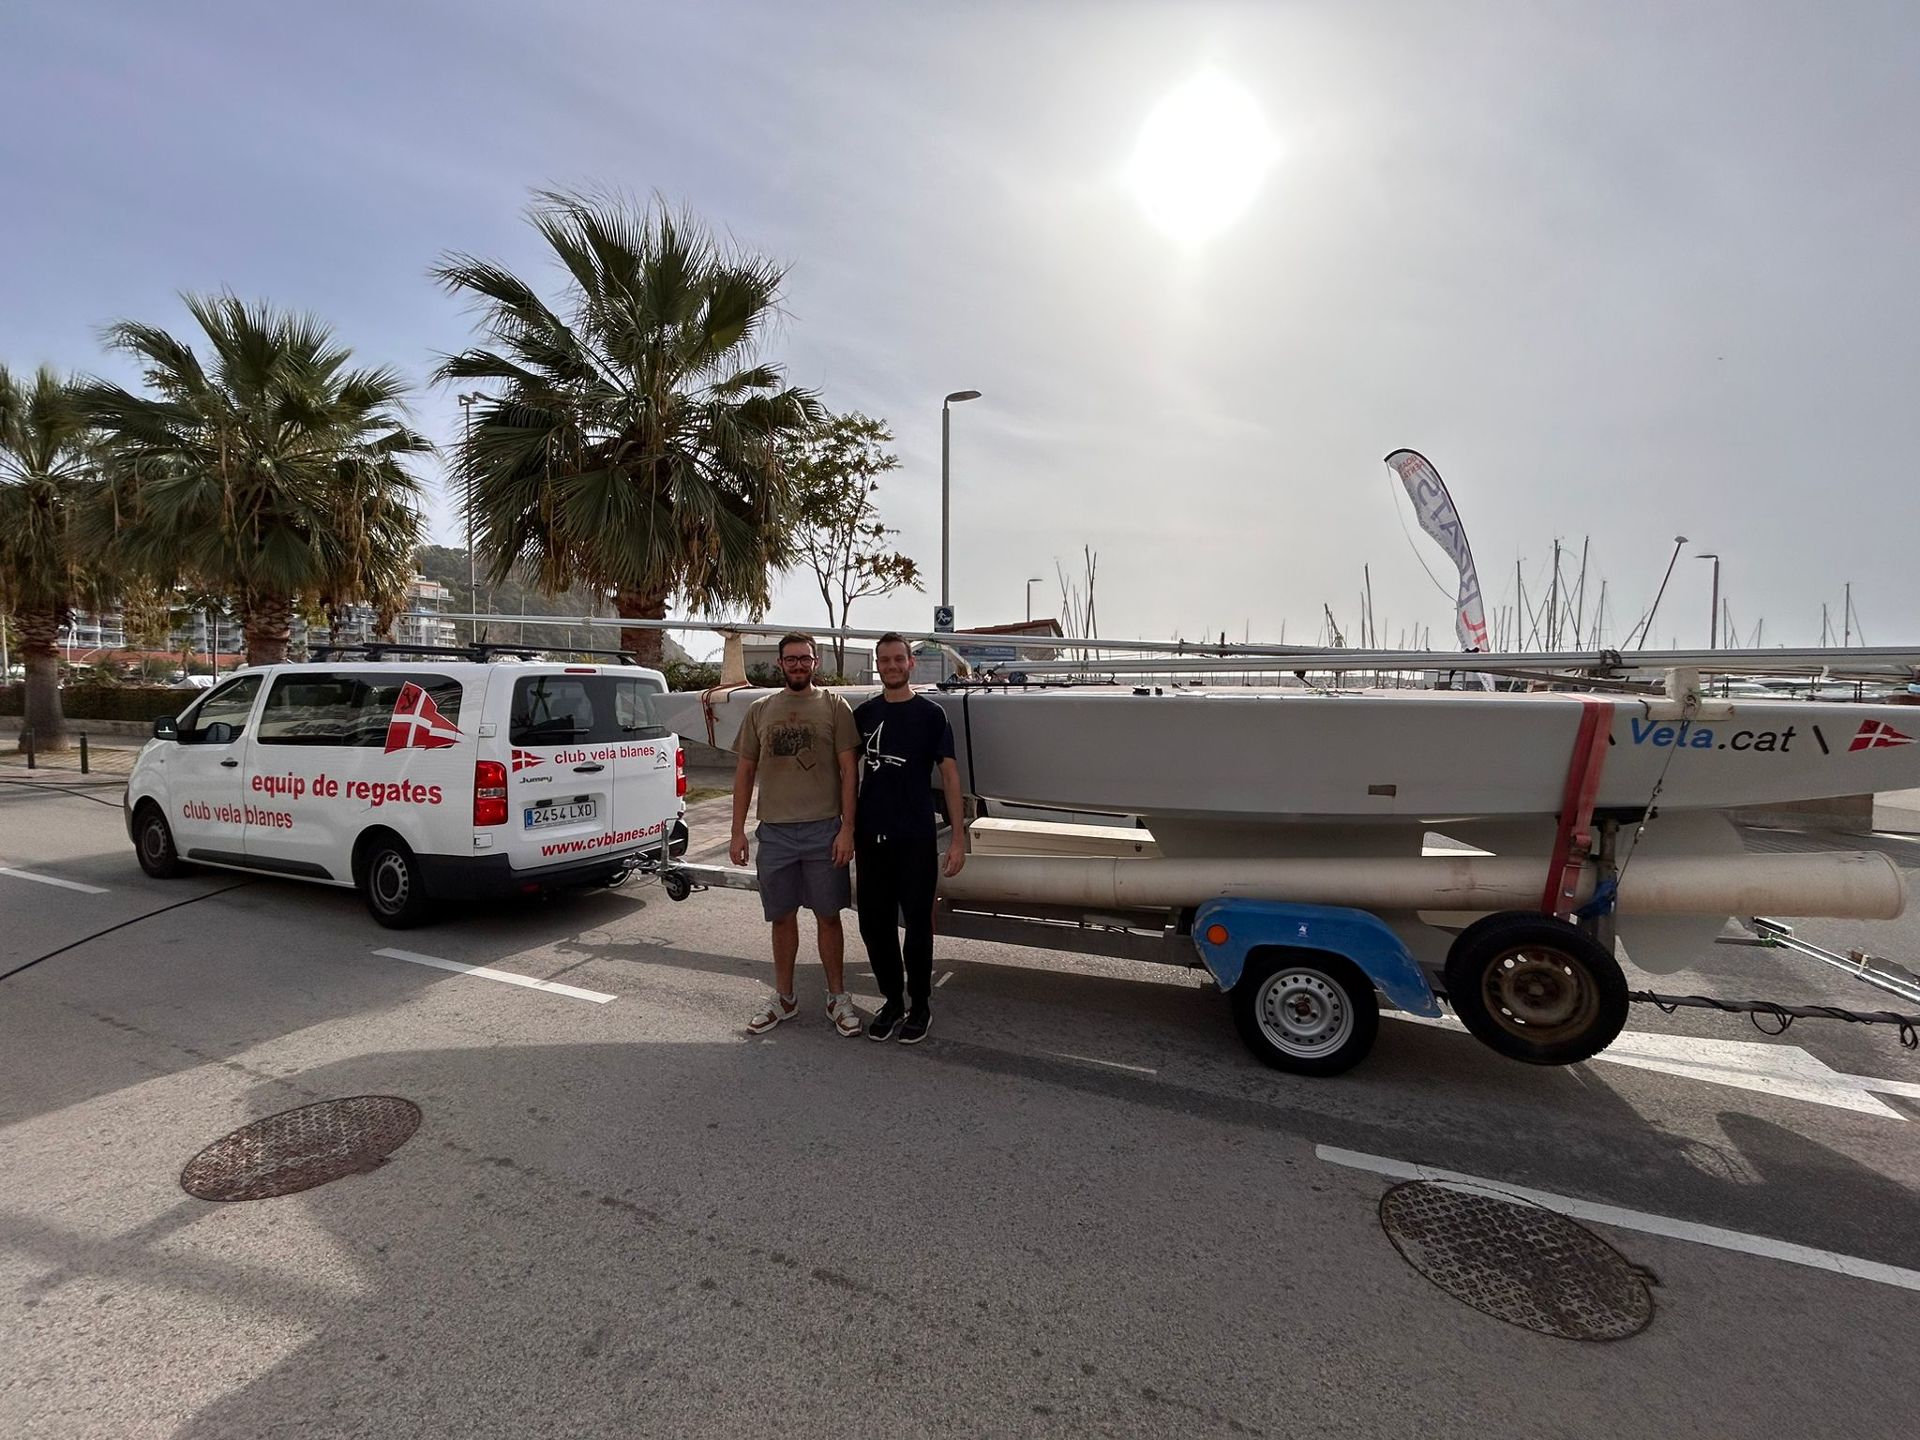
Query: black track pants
(896, 884)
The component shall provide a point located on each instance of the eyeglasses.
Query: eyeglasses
(796, 660)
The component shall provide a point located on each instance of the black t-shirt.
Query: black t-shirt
(902, 742)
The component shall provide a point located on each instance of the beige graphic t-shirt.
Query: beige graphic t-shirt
(796, 740)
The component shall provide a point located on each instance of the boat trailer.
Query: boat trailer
(1305, 982)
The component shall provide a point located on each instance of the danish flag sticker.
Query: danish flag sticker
(1878, 735)
(417, 723)
(525, 760)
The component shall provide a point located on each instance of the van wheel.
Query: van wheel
(153, 844)
(1305, 1011)
(390, 879)
(1536, 988)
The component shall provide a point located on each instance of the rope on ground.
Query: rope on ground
(55, 788)
(148, 915)
(1784, 1015)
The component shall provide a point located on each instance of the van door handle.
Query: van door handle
(228, 764)
(590, 768)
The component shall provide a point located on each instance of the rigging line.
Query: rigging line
(87, 939)
(1412, 544)
(1686, 719)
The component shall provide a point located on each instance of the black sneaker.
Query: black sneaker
(882, 1026)
(914, 1028)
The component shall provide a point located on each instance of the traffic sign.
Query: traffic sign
(943, 618)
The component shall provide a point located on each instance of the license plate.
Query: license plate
(543, 813)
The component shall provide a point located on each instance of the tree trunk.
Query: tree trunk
(268, 628)
(646, 646)
(40, 651)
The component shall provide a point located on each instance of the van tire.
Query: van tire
(153, 843)
(391, 882)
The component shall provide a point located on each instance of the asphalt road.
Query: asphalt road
(1079, 1208)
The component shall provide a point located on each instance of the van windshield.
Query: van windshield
(583, 709)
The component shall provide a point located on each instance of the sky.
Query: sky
(1623, 272)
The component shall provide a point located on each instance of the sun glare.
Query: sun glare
(1201, 159)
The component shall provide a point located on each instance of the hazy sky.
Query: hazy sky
(1624, 271)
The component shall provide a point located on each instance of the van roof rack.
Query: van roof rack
(376, 650)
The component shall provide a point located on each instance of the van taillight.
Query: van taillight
(489, 792)
(679, 771)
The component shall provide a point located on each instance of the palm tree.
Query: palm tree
(630, 441)
(46, 475)
(252, 475)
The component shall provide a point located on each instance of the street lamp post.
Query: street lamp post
(467, 402)
(1035, 580)
(946, 512)
(1713, 631)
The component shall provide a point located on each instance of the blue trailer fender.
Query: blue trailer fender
(1226, 931)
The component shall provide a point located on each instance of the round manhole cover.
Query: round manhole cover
(1517, 1262)
(299, 1149)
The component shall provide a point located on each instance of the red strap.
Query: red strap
(1573, 838)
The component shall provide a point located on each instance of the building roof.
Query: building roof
(1019, 627)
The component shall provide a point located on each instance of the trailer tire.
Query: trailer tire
(1305, 1011)
(1536, 988)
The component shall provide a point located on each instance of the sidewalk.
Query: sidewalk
(108, 756)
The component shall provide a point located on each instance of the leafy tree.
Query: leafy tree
(835, 467)
(46, 478)
(273, 472)
(631, 438)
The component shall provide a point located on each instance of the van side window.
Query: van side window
(345, 709)
(230, 706)
(379, 695)
(308, 709)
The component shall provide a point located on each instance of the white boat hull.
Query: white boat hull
(1209, 771)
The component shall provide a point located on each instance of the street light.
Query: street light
(1713, 632)
(946, 594)
(1035, 580)
(467, 402)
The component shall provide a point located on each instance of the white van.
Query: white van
(415, 780)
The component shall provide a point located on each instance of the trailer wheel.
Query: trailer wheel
(676, 884)
(1536, 988)
(1305, 1011)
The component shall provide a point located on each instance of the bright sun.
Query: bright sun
(1202, 157)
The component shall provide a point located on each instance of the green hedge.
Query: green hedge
(106, 702)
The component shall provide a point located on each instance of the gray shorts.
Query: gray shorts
(795, 865)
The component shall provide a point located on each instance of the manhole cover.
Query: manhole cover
(299, 1149)
(1517, 1262)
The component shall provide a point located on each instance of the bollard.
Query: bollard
(27, 735)
(83, 752)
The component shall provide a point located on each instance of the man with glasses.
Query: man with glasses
(801, 746)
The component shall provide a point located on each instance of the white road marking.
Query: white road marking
(945, 975)
(1896, 835)
(1783, 1070)
(1110, 1064)
(1619, 1219)
(552, 987)
(52, 880)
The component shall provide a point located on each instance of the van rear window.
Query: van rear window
(583, 709)
(343, 709)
